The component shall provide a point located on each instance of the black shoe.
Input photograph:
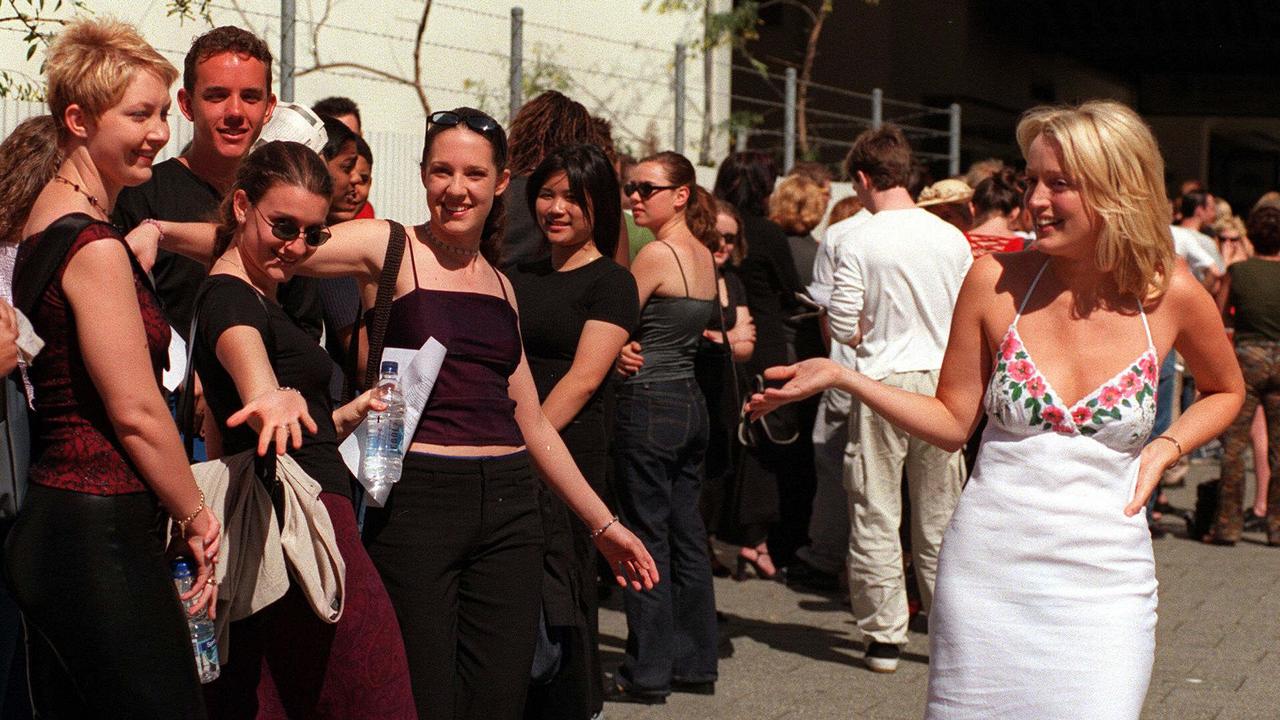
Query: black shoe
(617, 693)
(882, 657)
(801, 574)
(1254, 523)
(693, 687)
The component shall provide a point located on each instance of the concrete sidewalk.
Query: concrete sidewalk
(796, 655)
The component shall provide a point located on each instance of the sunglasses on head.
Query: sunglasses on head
(482, 124)
(288, 230)
(645, 189)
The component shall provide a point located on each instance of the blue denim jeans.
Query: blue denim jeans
(660, 442)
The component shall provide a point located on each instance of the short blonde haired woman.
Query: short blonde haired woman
(105, 631)
(1046, 591)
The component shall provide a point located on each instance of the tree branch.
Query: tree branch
(417, 59)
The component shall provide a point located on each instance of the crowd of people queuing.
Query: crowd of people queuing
(646, 384)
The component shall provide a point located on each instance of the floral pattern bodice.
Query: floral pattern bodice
(1119, 413)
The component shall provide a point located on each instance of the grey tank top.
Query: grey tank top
(669, 331)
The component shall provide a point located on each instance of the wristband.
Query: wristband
(597, 533)
(155, 224)
(1172, 440)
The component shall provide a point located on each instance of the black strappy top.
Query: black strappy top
(669, 330)
(469, 404)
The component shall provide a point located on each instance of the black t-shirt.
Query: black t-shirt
(554, 307)
(176, 194)
(298, 362)
(522, 241)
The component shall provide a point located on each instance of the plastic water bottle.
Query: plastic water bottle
(382, 459)
(200, 626)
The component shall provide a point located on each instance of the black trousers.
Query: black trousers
(106, 635)
(459, 548)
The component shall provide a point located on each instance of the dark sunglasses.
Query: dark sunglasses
(482, 124)
(644, 189)
(730, 238)
(288, 231)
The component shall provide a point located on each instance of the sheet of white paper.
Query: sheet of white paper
(177, 371)
(418, 371)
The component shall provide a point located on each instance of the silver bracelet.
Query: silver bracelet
(597, 533)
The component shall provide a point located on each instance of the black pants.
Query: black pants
(660, 440)
(459, 548)
(106, 636)
(570, 604)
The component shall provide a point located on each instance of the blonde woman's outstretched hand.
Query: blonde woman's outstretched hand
(801, 380)
(630, 561)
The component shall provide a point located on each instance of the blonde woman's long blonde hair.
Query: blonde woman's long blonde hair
(1111, 154)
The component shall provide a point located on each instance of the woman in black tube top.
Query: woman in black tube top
(459, 544)
(660, 436)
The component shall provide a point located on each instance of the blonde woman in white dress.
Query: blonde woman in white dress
(1046, 594)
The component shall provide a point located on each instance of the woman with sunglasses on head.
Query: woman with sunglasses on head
(1045, 603)
(578, 307)
(86, 558)
(459, 543)
(265, 381)
(660, 436)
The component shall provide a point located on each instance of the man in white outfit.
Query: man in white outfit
(893, 296)
(826, 554)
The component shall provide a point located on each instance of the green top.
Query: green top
(637, 237)
(1255, 295)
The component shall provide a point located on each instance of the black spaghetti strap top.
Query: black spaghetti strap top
(469, 404)
(669, 330)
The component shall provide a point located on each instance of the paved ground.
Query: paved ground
(791, 655)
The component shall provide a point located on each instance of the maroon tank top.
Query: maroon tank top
(469, 403)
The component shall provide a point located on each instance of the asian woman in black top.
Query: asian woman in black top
(578, 308)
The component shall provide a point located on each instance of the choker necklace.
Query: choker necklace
(456, 250)
(93, 201)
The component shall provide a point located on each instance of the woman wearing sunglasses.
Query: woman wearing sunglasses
(459, 544)
(660, 436)
(579, 307)
(264, 380)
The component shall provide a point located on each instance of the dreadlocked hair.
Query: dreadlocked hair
(545, 123)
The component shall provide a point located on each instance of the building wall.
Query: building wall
(614, 56)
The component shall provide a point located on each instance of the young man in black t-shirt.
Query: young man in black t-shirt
(226, 94)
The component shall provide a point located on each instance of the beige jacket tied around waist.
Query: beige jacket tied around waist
(259, 555)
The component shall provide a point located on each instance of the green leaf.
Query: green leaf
(1092, 403)
(31, 51)
(1086, 430)
(1017, 393)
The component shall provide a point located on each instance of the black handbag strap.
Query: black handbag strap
(377, 329)
(39, 267)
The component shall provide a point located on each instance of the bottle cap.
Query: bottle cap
(390, 367)
(181, 568)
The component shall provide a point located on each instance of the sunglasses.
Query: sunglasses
(288, 231)
(644, 189)
(730, 238)
(482, 124)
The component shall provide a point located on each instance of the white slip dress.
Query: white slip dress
(1045, 606)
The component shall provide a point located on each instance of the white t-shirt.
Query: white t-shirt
(1198, 249)
(896, 286)
(824, 269)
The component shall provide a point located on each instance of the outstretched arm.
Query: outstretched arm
(355, 248)
(947, 419)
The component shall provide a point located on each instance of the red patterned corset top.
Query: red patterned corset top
(73, 442)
